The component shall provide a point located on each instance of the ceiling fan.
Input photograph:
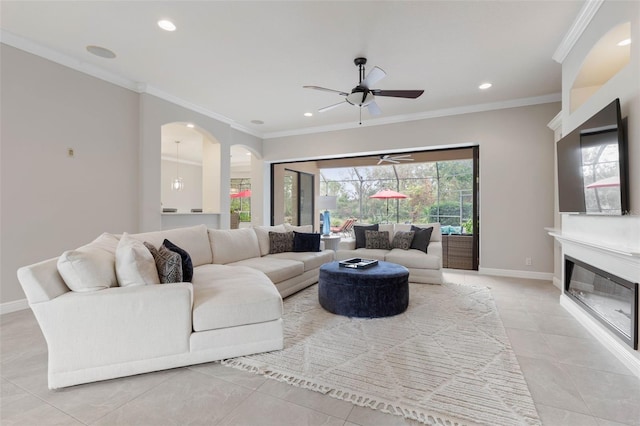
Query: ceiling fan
(363, 95)
(394, 159)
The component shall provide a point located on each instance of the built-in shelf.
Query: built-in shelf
(625, 251)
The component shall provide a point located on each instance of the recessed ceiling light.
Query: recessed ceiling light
(166, 25)
(103, 52)
(257, 121)
(190, 125)
(625, 42)
(248, 153)
(308, 114)
(485, 86)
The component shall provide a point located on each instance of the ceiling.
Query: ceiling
(245, 61)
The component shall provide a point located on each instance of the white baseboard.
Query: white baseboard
(557, 283)
(547, 276)
(626, 355)
(14, 306)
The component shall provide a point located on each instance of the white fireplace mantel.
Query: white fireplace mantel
(618, 259)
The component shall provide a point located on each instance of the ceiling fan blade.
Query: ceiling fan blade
(327, 108)
(375, 75)
(380, 161)
(403, 157)
(324, 89)
(410, 94)
(374, 109)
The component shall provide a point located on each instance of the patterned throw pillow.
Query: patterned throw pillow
(280, 242)
(187, 264)
(168, 264)
(421, 238)
(377, 240)
(359, 231)
(402, 240)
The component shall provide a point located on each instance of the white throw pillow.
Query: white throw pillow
(134, 263)
(88, 269)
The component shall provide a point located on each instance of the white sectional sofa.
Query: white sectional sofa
(232, 307)
(424, 267)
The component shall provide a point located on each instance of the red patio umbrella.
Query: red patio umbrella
(242, 194)
(387, 194)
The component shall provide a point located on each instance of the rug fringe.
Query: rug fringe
(360, 400)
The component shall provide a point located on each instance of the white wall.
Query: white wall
(516, 173)
(49, 201)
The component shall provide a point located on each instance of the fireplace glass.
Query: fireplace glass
(610, 299)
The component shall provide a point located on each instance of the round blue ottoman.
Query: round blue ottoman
(378, 291)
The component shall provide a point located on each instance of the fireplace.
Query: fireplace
(610, 299)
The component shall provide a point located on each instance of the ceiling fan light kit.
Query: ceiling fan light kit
(363, 95)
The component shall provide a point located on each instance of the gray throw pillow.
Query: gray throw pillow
(280, 242)
(377, 240)
(168, 264)
(422, 238)
(359, 231)
(402, 240)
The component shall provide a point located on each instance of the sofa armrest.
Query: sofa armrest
(115, 325)
(435, 248)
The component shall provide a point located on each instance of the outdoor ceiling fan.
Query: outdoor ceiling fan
(394, 159)
(363, 95)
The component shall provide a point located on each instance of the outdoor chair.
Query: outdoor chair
(344, 229)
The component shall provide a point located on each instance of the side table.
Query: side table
(330, 241)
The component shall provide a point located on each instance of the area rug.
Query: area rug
(446, 361)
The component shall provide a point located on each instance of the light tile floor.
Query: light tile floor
(572, 378)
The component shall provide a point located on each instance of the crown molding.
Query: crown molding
(29, 46)
(556, 122)
(514, 103)
(585, 16)
(37, 49)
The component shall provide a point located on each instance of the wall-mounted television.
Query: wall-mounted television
(593, 166)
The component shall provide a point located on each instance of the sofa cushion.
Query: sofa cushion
(403, 240)
(280, 242)
(168, 264)
(302, 228)
(422, 238)
(276, 269)
(414, 259)
(193, 239)
(377, 240)
(134, 263)
(105, 241)
(187, 264)
(262, 233)
(88, 269)
(311, 260)
(359, 231)
(303, 241)
(229, 296)
(233, 245)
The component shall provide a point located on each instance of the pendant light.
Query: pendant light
(177, 184)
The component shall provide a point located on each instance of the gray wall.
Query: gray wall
(50, 202)
(516, 173)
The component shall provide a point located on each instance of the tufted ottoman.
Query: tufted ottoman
(378, 291)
